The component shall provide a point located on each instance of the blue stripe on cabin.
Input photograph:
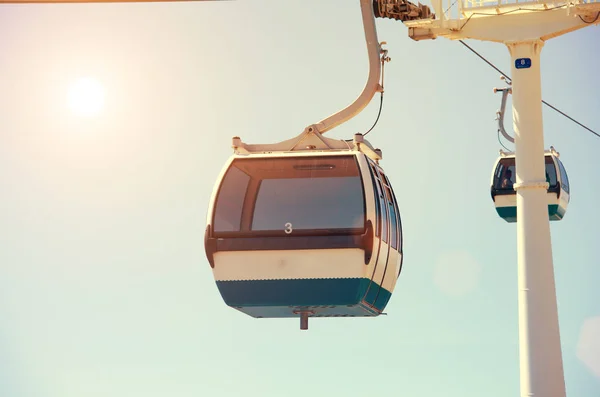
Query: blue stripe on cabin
(509, 214)
(327, 297)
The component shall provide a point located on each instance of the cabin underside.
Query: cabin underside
(341, 297)
(509, 214)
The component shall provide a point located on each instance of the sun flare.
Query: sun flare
(86, 97)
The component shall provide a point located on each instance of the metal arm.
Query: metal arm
(500, 113)
(372, 86)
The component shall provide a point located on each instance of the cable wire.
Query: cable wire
(486, 61)
(544, 102)
(570, 118)
(378, 114)
(384, 59)
(500, 141)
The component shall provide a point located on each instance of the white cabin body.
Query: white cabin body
(315, 228)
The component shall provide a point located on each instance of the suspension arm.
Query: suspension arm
(372, 86)
(505, 92)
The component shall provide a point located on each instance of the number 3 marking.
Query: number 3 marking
(288, 228)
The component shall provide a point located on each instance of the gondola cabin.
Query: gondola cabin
(306, 227)
(505, 197)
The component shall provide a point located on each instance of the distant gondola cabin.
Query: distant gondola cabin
(505, 196)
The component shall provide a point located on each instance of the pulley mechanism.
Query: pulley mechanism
(401, 10)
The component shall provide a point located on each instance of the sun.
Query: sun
(86, 97)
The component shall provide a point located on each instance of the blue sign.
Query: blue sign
(523, 63)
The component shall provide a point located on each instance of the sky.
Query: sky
(105, 289)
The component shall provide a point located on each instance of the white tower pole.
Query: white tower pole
(539, 338)
(523, 26)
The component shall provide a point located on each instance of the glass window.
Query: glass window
(309, 203)
(505, 176)
(563, 176)
(550, 171)
(230, 200)
(395, 214)
(292, 194)
(393, 220)
(384, 213)
(377, 194)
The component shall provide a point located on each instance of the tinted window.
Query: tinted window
(550, 174)
(563, 176)
(295, 193)
(377, 194)
(309, 203)
(505, 176)
(550, 171)
(384, 213)
(387, 207)
(230, 200)
(394, 213)
(393, 220)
